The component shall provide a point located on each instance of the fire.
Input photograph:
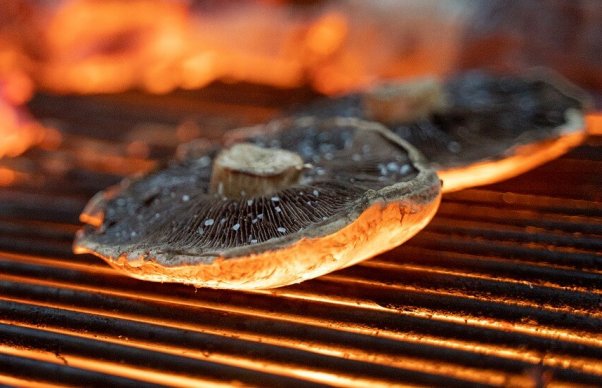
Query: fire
(594, 123)
(94, 46)
(17, 131)
(7, 176)
(100, 46)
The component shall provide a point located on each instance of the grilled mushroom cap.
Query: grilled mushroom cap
(476, 128)
(344, 190)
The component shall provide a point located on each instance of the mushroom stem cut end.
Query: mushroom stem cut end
(404, 102)
(249, 170)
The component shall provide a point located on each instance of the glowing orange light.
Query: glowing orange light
(327, 34)
(110, 367)
(138, 149)
(594, 123)
(7, 176)
(407, 362)
(16, 86)
(98, 46)
(525, 158)
(92, 46)
(17, 132)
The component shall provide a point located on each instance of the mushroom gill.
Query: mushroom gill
(475, 128)
(344, 190)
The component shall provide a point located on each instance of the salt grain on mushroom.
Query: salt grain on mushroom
(357, 216)
(475, 128)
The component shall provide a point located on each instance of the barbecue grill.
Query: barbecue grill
(502, 288)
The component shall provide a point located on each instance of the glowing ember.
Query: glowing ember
(17, 131)
(97, 46)
(7, 176)
(593, 122)
(90, 46)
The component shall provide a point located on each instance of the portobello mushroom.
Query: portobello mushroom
(475, 128)
(277, 204)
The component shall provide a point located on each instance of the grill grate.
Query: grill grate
(503, 288)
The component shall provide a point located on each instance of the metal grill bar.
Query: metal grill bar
(503, 288)
(16, 370)
(68, 293)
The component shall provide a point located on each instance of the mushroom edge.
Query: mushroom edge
(377, 222)
(519, 159)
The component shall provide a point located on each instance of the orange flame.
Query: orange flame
(108, 46)
(17, 131)
(594, 123)
(91, 46)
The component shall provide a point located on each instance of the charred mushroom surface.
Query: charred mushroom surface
(182, 224)
(474, 119)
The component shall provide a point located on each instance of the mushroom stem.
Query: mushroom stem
(402, 102)
(249, 170)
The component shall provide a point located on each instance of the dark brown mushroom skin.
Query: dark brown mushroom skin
(172, 213)
(484, 118)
